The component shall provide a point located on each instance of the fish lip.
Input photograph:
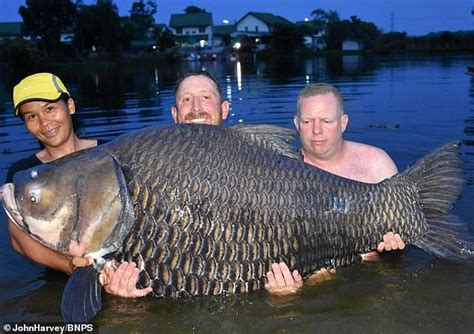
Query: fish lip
(10, 206)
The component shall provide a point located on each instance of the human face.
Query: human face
(198, 101)
(49, 122)
(320, 126)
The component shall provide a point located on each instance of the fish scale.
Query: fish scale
(206, 210)
(274, 209)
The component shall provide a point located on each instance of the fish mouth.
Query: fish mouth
(7, 192)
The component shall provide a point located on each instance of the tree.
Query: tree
(98, 27)
(166, 40)
(45, 20)
(392, 41)
(354, 29)
(323, 20)
(141, 18)
(286, 38)
(194, 9)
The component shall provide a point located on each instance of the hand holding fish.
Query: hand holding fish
(122, 282)
(391, 241)
(78, 261)
(281, 281)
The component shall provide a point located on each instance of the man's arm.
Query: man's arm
(283, 282)
(120, 282)
(36, 252)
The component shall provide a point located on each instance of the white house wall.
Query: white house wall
(350, 46)
(253, 24)
(186, 31)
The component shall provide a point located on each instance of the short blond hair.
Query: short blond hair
(317, 89)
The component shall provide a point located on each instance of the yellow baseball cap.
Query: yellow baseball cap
(39, 86)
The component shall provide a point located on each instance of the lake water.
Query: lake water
(405, 105)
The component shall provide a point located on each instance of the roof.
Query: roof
(160, 26)
(10, 28)
(268, 18)
(191, 20)
(225, 29)
(310, 24)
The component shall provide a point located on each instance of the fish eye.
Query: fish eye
(34, 174)
(33, 199)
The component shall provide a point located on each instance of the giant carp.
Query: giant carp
(206, 210)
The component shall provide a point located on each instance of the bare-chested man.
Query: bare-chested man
(321, 122)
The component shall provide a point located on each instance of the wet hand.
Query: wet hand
(321, 275)
(280, 281)
(122, 282)
(81, 261)
(391, 241)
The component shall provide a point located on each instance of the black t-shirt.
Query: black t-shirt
(29, 162)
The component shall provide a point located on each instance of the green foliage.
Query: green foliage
(392, 41)
(226, 39)
(46, 20)
(286, 39)
(23, 57)
(323, 19)
(166, 40)
(141, 18)
(365, 33)
(98, 27)
(442, 42)
(194, 9)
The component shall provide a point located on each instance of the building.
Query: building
(192, 29)
(259, 23)
(312, 34)
(255, 29)
(350, 45)
(223, 34)
(150, 41)
(10, 30)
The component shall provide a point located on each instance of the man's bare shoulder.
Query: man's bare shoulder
(369, 151)
(378, 162)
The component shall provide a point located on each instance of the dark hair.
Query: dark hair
(197, 73)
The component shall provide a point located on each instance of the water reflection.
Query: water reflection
(238, 73)
(469, 129)
(432, 100)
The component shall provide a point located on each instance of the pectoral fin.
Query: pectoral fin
(82, 296)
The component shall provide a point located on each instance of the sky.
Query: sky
(416, 17)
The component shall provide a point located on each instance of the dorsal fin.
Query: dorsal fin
(271, 137)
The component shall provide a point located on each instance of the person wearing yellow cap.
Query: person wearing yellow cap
(46, 107)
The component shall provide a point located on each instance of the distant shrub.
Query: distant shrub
(22, 56)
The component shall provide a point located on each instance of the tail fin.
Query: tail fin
(439, 177)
